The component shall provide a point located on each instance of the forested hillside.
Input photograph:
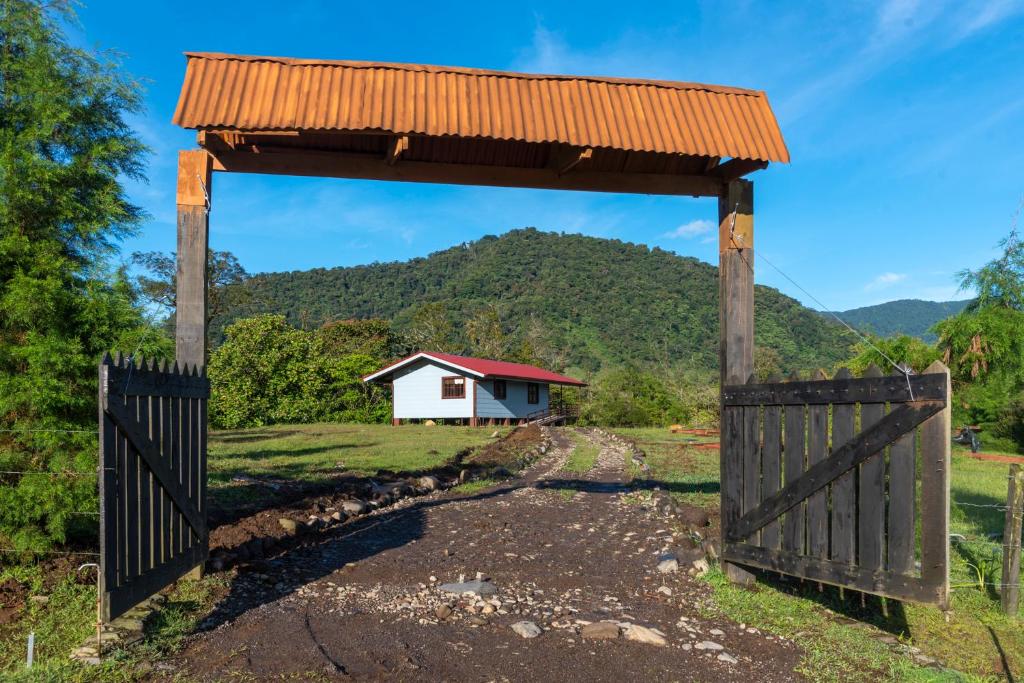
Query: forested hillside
(596, 302)
(913, 317)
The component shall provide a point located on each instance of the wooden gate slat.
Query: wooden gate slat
(108, 483)
(771, 468)
(145, 490)
(751, 463)
(902, 503)
(871, 491)
(935, 466)
(794, 456)
(843, 502)
(817, 504)
(731, 465)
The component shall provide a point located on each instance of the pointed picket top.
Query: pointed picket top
(819, 375)
(872, 371)
(843, 373)
(794, 376)
(176, 370)
(775, 378)
(935, 368)
(752, 379)
(106, 360)
(202, 372)
(163, 366)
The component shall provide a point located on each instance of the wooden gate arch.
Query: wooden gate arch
(433, 124)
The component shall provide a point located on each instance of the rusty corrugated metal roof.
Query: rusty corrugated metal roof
(244, 93)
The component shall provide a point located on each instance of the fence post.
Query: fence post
(1011, 540)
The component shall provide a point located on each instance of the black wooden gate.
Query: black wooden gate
(153, 479)
(843, 508)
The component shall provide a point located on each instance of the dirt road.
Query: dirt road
(364, 602)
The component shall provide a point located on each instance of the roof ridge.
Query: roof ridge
(469, 71)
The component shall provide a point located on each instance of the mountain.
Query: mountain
(598, 302)
(904, 316)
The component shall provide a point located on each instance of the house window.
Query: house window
(533, 393)
(500, 389)
(453, 387)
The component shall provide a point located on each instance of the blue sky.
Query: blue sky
(904, 119)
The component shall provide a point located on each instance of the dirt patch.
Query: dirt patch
(995, 457)
(14, 595)
(512, 452)
(365, 601)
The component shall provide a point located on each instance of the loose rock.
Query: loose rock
(600, 630)
(289, 525)
(708, 645)
(527, 629)
(642, 634)
(476, 586)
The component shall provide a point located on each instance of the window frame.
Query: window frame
(499, 395)
(533, 393)
(449, 381)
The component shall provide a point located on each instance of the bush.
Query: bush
(268, 372)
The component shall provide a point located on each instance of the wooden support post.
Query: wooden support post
(736, 340)
(1010, 588)
(193, 198)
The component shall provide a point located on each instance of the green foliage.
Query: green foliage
(912, 317)
(64, 148)
(984, 345)
(226, 276)
(904, 349)
(269, 372)
(629, 397)
(566, 301)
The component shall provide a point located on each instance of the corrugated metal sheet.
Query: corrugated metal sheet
(277, 94)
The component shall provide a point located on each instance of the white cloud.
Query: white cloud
(690, 230)
(885, 280)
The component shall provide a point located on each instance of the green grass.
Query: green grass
(974, 639)
(583, 456)
(314, 453)
(475, 486)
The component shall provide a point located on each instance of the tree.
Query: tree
(485, 334)
(65, 147)
(984, 344)
(226, 288)
(767, 362)
(431, 330)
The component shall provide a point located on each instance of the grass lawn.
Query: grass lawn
(977, 639)
(314, 453)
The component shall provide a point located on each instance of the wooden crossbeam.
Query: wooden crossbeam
(285, 161)
(930, 387)
(841, 460)
(737, 168)
(150, 454)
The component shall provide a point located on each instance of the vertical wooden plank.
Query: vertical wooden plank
(736, 334)
(166, 452)
(175, 422)
(935, 466)
(1010, 589)
(123, 455)
(817, 450)
(901, 536)
(186, 482)
(794, 464)
(771, 467)
(751, 462)
(871, 491)
(107, 492)
(203, 427)
(731, 464)
(131, 499)
(145, 485)
(194, 186)
(844, 520)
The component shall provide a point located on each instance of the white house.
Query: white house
(472, 390)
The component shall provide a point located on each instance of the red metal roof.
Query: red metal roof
(247, 93)
(486, 368)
